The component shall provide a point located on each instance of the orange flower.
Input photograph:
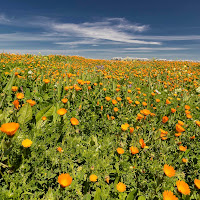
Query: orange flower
(165, 119)
(65, 100)
(59, 149)
(157, 100)
(139, 116)
(146, 112)
(66, 88)
(183, 187)
(46, 81)
(114, 102)
(9, 128)
(169, 170)
(62, 111)
(137, 102)
(14, 88)
(124, 127)
(93, 178)
(134, 150)
(168, 195)
(182, 148)
(179, 128)
(119, 98)
(107, 98)
(64, 180)
(189, 116)
(44, 118)
(187, 112)
(115, 109)
(112, 117)
(16, 103)
(197, 183)
(168, 102)
(26, 143)
(177, 134)
(187, 107)
(197, 123)
(193, 137)
(141, 141)
(20, 95)
(173, 110)
(184, 160)
(31, 102)
(120, 150)
(180, 123)
(107, 179)
(131, 129)
(121, 187)
(74, 121)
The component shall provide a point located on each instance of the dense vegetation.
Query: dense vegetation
(76, 128)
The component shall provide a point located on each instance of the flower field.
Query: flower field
(76, 128)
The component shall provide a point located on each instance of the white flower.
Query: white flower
(30, 72)
(158, 92)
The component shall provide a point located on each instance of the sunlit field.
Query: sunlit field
(76, 128)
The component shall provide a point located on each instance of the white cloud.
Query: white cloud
(157, 49)
(110, 29)
(167, 37)
(4, 19)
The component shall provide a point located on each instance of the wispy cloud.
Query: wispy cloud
(156, 49)
(109, 29)
(4, 19)
(167, 37)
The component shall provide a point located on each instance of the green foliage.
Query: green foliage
(91, 146)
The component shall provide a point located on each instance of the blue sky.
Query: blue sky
(102, 29)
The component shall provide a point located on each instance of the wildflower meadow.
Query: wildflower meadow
(77, 128)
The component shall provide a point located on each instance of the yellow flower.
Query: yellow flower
(93, 178)
(121, 187)
(26, 143)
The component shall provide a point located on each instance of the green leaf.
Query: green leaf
(25, 114)
(97, 195)
(46, 97)
(10, 83)
(48, 111)
(87, 197)
(132, 194)
(142, 198)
